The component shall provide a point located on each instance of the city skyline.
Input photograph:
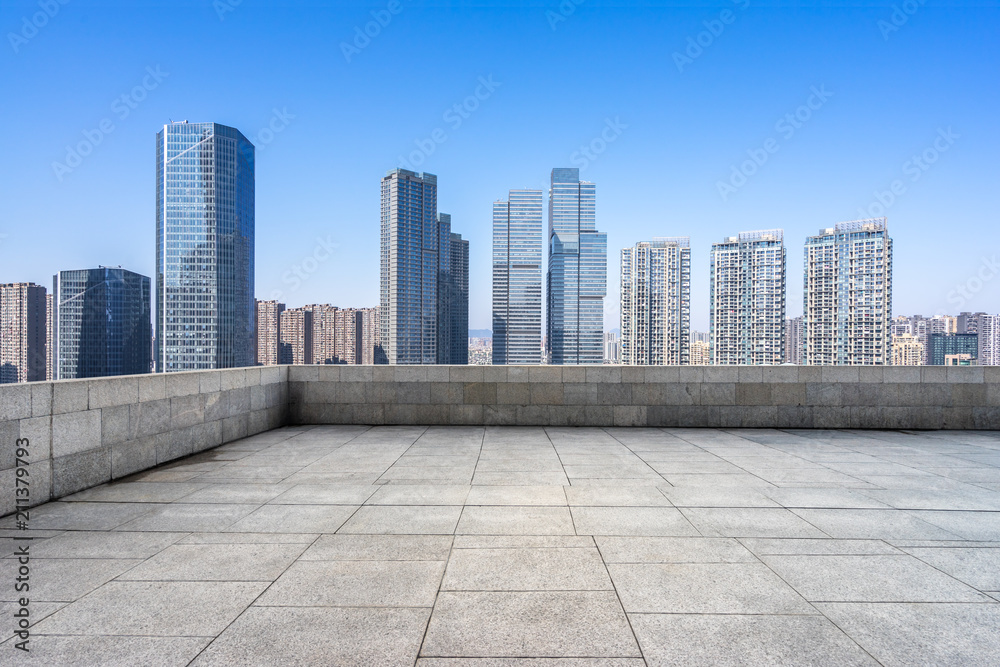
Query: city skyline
(317, 229)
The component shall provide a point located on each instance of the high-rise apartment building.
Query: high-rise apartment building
(793, 341)
(945, 345)
(268, 324)
(296, 336)
(700, 353)
(50, 338)
(517, 278)
(22, 333)
(204, 248)
(848, 295)
(907, 350)
(349, 334)
(577, 278)
(103, 323)
(458, 301)
(612, 348)
(989, 340)
(418, 292)
(747, 299)
(371, 340)
(968, 322)
(323, 333)
(656, 303)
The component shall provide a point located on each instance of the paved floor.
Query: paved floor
(439, 546)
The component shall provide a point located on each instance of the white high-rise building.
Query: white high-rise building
(793, 341)
(747, 293)
(848, 295)
(656, 302)
(989, 340)
(612, 348)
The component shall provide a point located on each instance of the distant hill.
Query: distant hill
(480, 333)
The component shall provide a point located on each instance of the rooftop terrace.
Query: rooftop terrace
(486, 545)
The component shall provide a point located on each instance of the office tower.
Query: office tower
(577, 278)
(323, 333)
(103, 323)
(747, 299)
(415, 275)
(268, 324)
(22, 333)
(371, 341)
(793, 341)
(656, 302)
(944, 345)
(458, 296)
(700, 353)
(907, 350)
(50, 339)
(517, 278)
(296, 336)
(848, 295)
(989, 340)
(204, 248)
(612, 348)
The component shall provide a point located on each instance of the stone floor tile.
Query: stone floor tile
(861, 524)
(749, 522)
(517, 495)
(515, 520)
(114, 651)
(696, 496)
(526, 569)
(869, 578)
(977, 567)
(566, 624)
(818, 547)
(649, 521)
(403, 520)
(292, 636)
(154, 608)
(730, 640)
(103, 544)
(980, 526)
(336, 583)
(705, 588)
(520, 478)
(379, 547)
(294, 519)
(325, 494)
(217, 562)
(81, 515)
(616, 496)
(135, 492)
(247, 494)
(419, 494)
(523, 542)
(61, 579)
(673, 550)
(180, 517)
(945, 635)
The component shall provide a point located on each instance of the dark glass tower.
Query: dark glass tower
(103, 323)
(204, 248)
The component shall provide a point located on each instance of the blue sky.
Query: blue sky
(893, 85)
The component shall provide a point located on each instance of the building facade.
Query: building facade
(612, 348)
(204, 248)
(577, 278)
(371, 337)
(418, 293)
(268, 325)
(103, 325)
(296, 336)
(50, 339)
(793, 340)
(907, 350)
(747, 299)
(458, 301)
(945, 345)
(988, 331)
(656, 303)
(22, 333)
(517, 278)
(700, 353)
(848, 295)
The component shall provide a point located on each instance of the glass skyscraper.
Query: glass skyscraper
(578, 272)
(517, 278)
(104, 325)
(204, 248)
(422, 299)
(747, 299)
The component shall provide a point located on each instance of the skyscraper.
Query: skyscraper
(577, 278)
(517, 278)
(848, 295)
(50, 339)
(989, 339)
(104, 325)
(458, 297)
(268, 325)
(747, 299)
(204, 247)
(793, 340)
(656, 303)
(22, 333)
